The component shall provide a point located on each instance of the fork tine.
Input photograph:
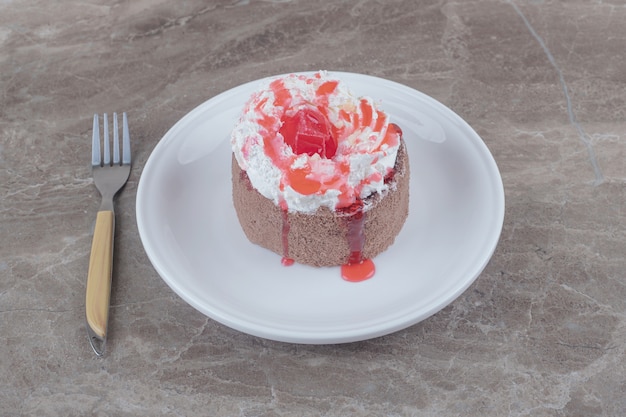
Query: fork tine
(107, 150)
(95, 142)
(126, 141)
(116, 141)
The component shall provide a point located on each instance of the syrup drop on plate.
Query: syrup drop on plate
(357, 272)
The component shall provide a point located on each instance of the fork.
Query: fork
(109, 177)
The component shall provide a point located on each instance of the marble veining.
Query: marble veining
(541, 332)
(570, 112)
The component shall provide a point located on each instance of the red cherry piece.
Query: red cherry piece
(308, 131)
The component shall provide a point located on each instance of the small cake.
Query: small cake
(320, 177)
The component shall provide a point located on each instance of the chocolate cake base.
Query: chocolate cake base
(321, 238)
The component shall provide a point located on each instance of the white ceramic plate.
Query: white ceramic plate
(191, 234)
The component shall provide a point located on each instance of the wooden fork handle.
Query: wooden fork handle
(99, 275)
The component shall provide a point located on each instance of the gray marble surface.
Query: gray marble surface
(541, 332)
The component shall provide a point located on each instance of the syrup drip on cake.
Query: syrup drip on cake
(286, 260)
(357, 269)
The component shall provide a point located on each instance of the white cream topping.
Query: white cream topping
(364, 156)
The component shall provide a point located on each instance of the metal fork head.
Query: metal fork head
(105, 159)
(110, 173)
